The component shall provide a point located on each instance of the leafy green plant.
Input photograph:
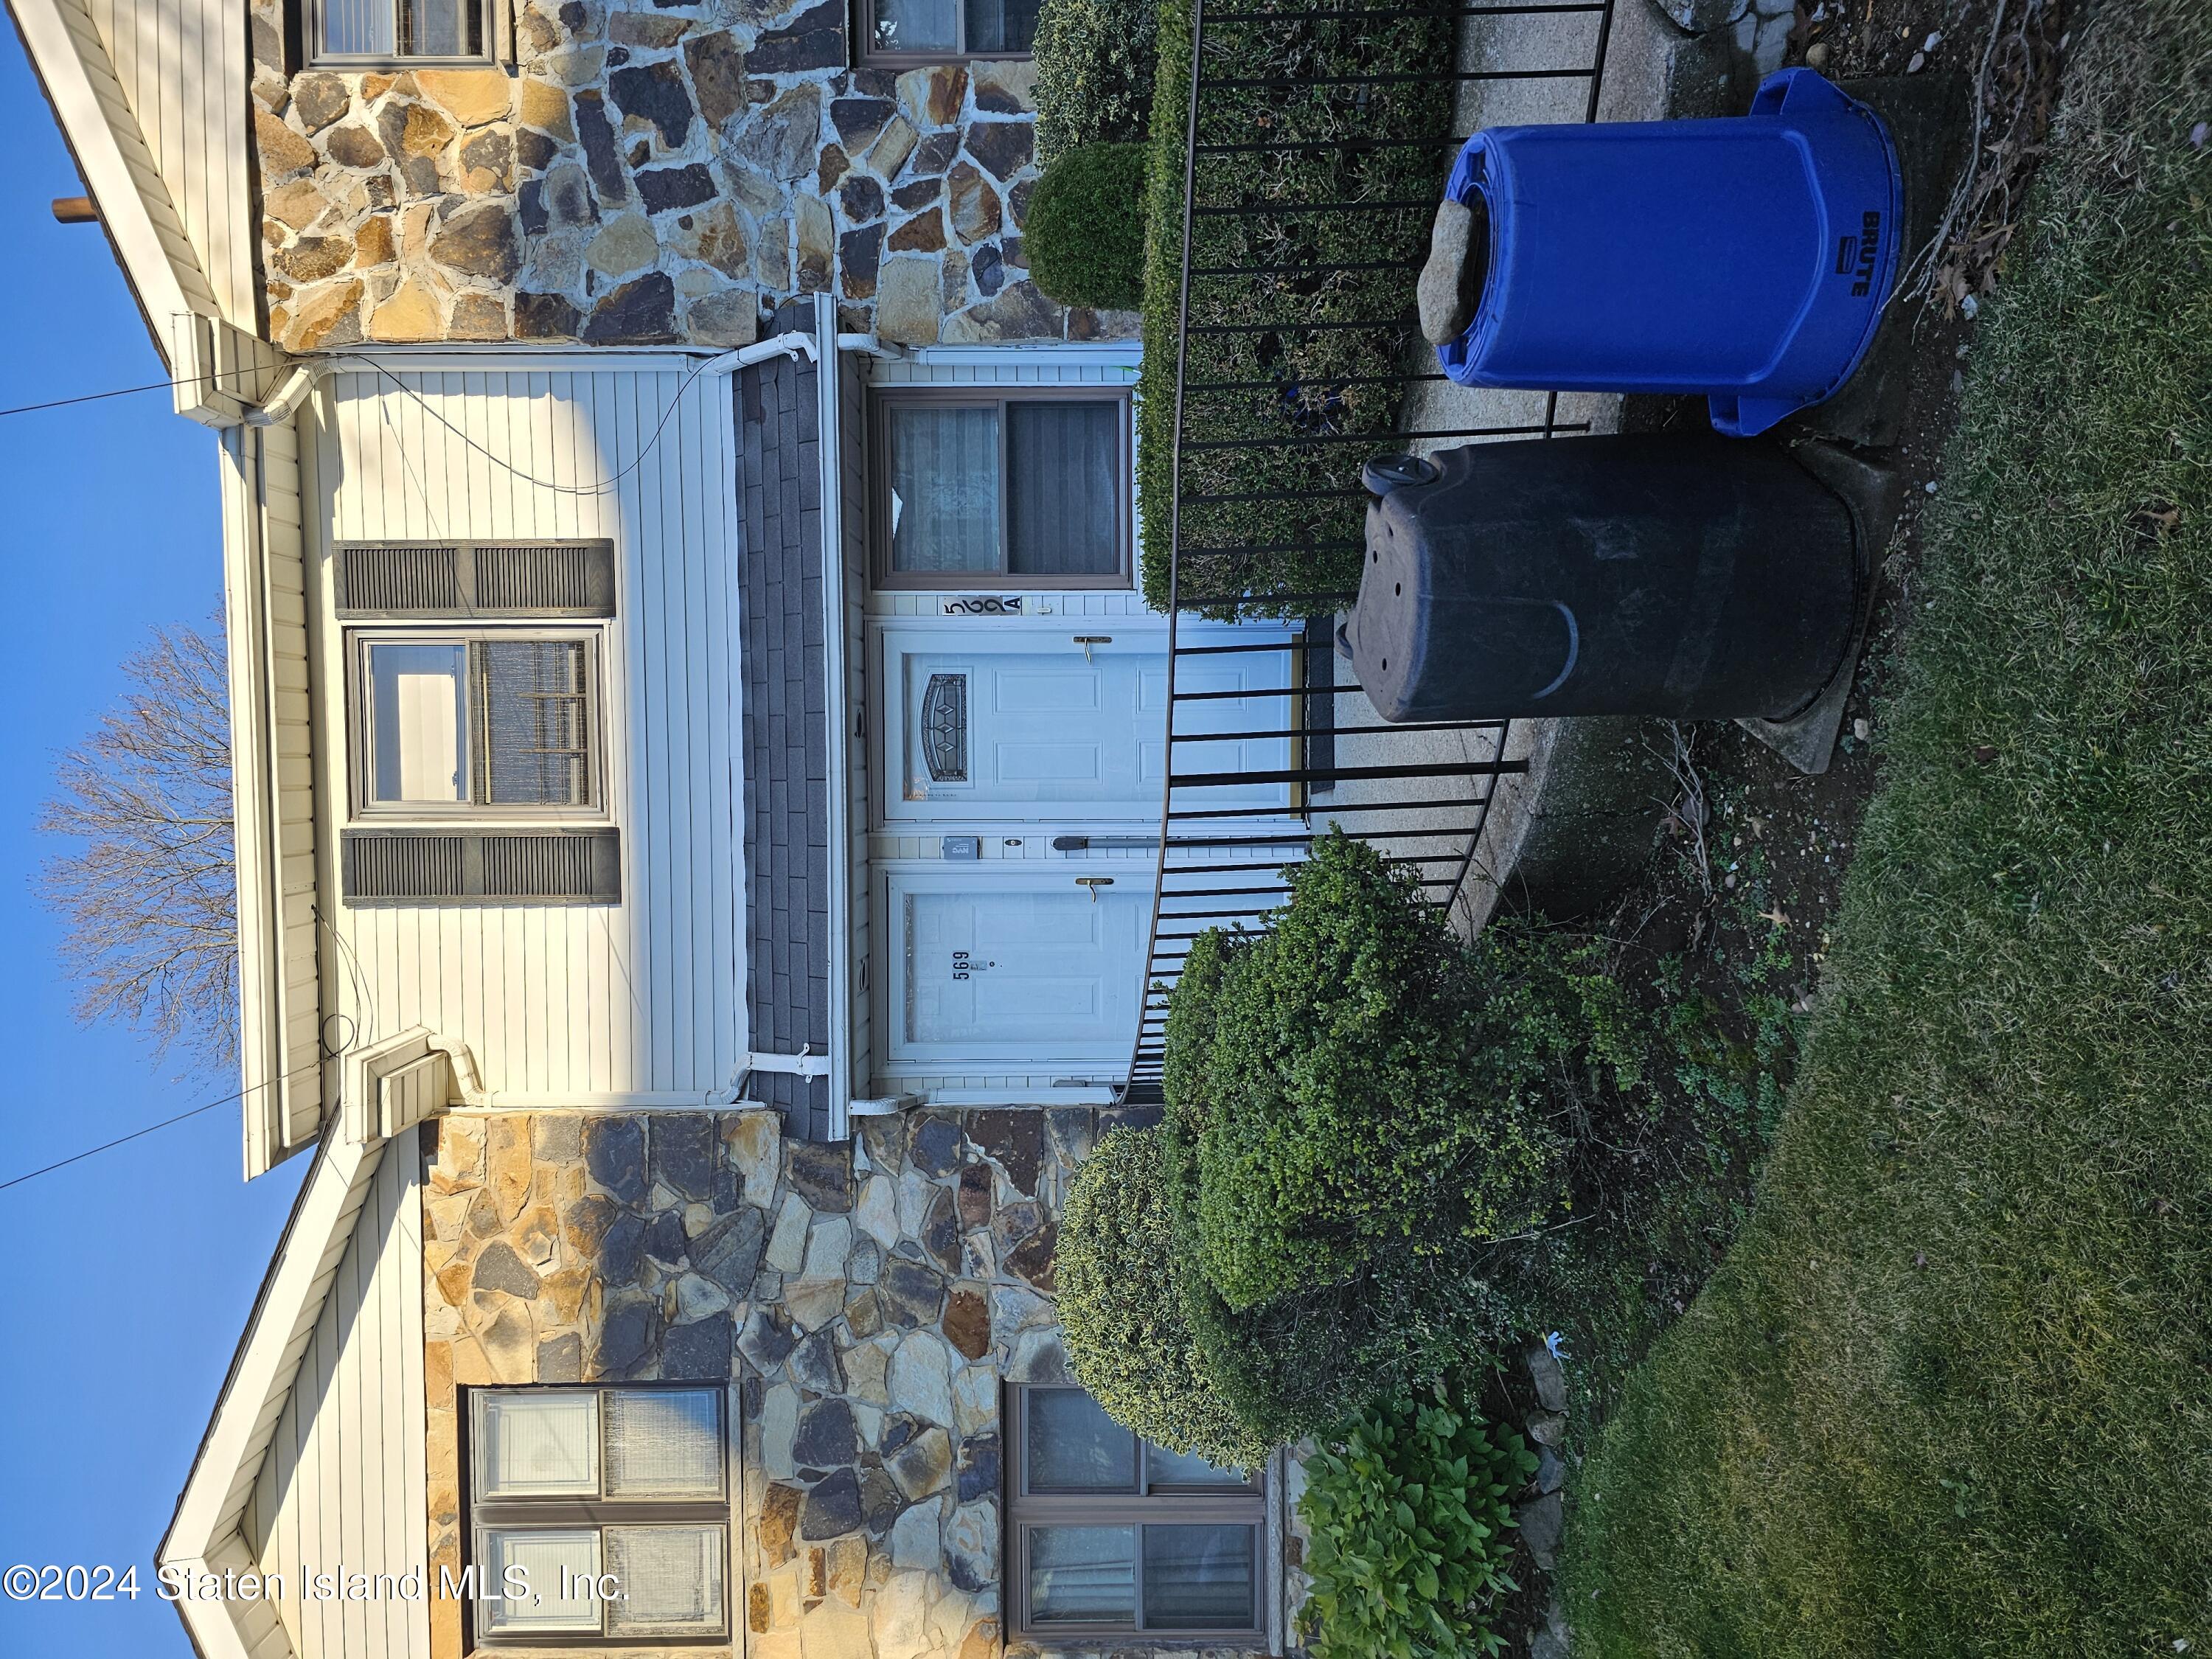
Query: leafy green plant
(1121, 1310)
(1407, 1510)
(1354, 1082)
(1084, 233)
(1094, 72)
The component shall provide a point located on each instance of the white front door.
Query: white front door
(1010, 967)
(1029, 727)
(1027, 957)
(1064, 724)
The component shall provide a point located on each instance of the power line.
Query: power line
(109, 1146)
(79, 1157)
(502, 462)
(94, 396)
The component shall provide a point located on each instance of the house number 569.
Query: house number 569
(963, 964)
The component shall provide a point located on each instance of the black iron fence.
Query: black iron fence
(1317, 140)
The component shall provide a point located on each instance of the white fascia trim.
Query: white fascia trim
(255, 858)
(517, 359)
(206, 1523)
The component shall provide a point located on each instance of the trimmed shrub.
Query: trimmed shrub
(1086, 229)
(1315, 384)
(1094, 72)
(1407, 1507)
(1121, 1310)
(1299, 1364)
(1356, 1083)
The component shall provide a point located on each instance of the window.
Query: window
(450, 721)
(581, 1491)
(975, 489)
(1111, 1534)
(939, 31)
(382, 31)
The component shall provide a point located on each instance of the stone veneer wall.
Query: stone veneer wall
(654, 171)
(870, 1298)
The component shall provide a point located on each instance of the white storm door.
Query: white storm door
(1029, 725)
(1024, 726)
(1009, 968)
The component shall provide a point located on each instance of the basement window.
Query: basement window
(926, 31)
(1113, 1535)
(610, 1505)
(368, 32)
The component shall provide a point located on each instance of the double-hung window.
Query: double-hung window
(598, 1515)
(979, 488)
(343, 32)
(917, 31)
(1113, 1535)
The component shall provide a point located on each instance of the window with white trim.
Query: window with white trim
(586, 1493)
(1111, 1534)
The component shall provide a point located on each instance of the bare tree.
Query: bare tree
(148, 898)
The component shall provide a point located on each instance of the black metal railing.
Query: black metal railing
(1308, 184)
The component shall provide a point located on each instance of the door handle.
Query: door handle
(1086, 641)
(1093, 884)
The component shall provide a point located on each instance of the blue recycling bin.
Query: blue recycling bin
(1747, 259)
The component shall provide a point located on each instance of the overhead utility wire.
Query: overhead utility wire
(108, 1145)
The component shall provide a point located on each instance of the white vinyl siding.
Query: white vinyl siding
(344, 1480)
(180, 68)
(643, 1000)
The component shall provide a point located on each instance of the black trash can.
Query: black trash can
(1682, 576)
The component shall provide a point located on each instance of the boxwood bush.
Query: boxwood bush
(1121, 1309)
(1094, 72)
(1408, 1509)
(1354, 1081)
(1296, 384)
(1085, 231)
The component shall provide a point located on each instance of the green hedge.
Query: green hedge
(1094, 73)
(1086, 229)
(1302, 377)
(1358, 1080)
(1408, 1509)
(1121, 1305)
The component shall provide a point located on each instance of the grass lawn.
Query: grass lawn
(1951, 1393)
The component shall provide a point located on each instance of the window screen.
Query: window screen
(533, 723)
(1062, 475)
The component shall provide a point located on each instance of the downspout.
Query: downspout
(837, 1065)
(830, 452)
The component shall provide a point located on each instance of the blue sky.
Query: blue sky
(126, 1278)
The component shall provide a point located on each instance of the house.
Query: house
(698, 745)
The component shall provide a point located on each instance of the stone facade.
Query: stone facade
(651, 171)
(870, 1298)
